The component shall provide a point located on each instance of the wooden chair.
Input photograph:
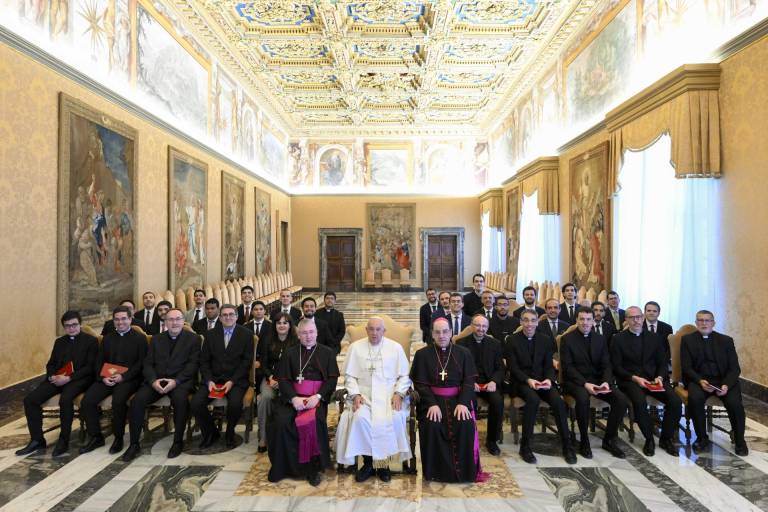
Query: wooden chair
(386, 278)
(369, 281)
(405, 278)
(219, 405)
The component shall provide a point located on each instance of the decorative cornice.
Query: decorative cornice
(741, 41)
(541, 164)
(688, 77)
(24, 47)
(490, 194)
(581, 137)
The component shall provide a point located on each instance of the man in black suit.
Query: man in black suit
(211, 318)
(531, 374)
(710, 367)
(615, 314)
(488, 301)
(569, 306)
(245, 309)
(586, 372)
(602, 326)
(259, 324)
(425, 314)
(226, 359)
(529, 302)
(333, 317)
(197, 312)
(286, 298)
(163, 307)
(122, 347)
(638, 361)
(443, 310)
(473, 300)
(148, 315)
(502, 324)
(654, 325)
(486, 352)
(77, 352)
(456, 315)
(109, 325)
(324, 337)
(552, 325)
(170, 368)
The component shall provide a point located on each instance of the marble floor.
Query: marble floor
(234, 480)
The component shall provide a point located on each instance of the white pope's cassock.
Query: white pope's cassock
(375, 429)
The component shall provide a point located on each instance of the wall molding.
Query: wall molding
(741, 41)
(541, 164)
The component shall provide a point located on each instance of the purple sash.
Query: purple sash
(450, 392)
(305, 421)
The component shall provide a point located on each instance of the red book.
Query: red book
(110, 370)
(217, 392)
(655, 387)
(483, 387)
(67, 370)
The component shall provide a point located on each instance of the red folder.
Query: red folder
(483, 387)
(110, 370)
(217, 392)
(652, 386)
(67, 370)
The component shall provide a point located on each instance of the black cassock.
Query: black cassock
(448, 446)
(282, 436)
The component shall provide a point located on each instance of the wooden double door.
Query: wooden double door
(442, 262)
(340, 263)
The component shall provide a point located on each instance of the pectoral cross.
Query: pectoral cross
(371, 367)
(300, 379)
(443, 374)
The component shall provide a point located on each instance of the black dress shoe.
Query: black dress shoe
(385, 475)
(742, 450)
(701, 444)
(527, 455)
(365, 472)
(262, 449)
(96, 442)
(569, 455)
(493, 449)
(209, 439)
(176, 449)
(669, 446)
(117, 445)
(585, 450)
(649, 448)
(133, 451)
(61, 448)
(314, 479)
(231, 441)
(32, 447)
(614, 450)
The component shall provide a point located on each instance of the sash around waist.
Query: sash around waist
(445, 392)
(307, 387)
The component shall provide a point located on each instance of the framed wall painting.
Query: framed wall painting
(232, 227)
(513, 234)
(263, 209)
(187, 220)
(96, 207)
(391, 236)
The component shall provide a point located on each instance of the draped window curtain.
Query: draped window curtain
(492, 247)
(665, 236)
(539, 258)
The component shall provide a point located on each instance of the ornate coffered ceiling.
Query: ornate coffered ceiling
(368, 68)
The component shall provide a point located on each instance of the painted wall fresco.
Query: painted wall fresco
(232, 227)
(391, 240)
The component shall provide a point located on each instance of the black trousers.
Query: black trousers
(89, 408)
(33, 409)
(672, 409)
(618, 402)
(146, 396)
(734, 406)
(495, 413)
(203, 416)
(532, 400)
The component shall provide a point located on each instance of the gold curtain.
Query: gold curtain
(684, 104)
(492, 202)
(542, 175)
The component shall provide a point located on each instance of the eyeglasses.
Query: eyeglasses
(704, 320)
(227, 315)
(174, 319)
(72, 325)
(634, 317)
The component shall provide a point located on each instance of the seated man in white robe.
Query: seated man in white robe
(374, 422)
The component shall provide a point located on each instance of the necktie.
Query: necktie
(554, 327)
(615, 319)
(227, 336)
(488, 314)
(653, 328)
(455, 325)
(286, 311)
(247, 311)
(162, 326)
(146, 317)
(599, 329)
(570, 312)
(258, 328)
(197, 315)
(211, 323)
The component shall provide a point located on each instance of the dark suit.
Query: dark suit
(242, 318)
(500, 328)
(609, 317)
(663, 330)
(440, 313)
(472, 304)
(220, 363)
(586, 359)
(324, 336)
(464, 321)
(715, 360)
(294, 312)
(606, 329)
(642, 355)
(565, 314)
(81, 352)
(490, 367)
(336, 325)
(523, 364)
(167, 359)
(128, 350)
(201, 326)
(425, 321)
(109, 325)
(545, 327)
(519, 311)
(154, 326)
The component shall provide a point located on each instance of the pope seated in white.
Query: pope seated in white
(376, 378)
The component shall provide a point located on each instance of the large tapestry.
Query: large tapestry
(590, 219)
(97, 180)
(232, 227)
(187, 195)
(513, 234)
(391, 238)
(263, 232)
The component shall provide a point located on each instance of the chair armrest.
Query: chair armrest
(414, 396)
(339, 395)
